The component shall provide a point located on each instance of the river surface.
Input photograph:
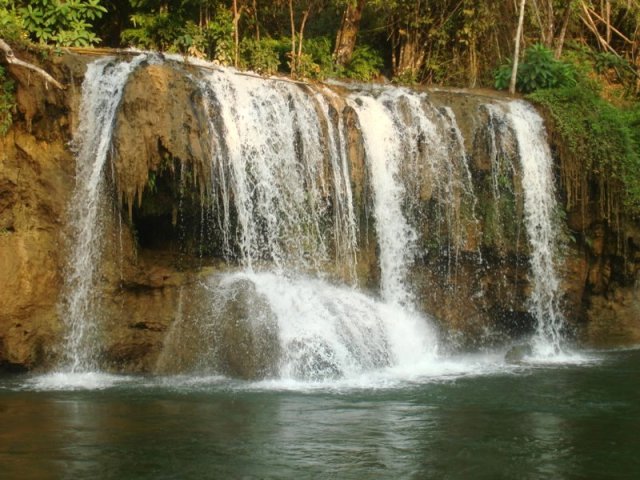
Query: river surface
(578, 420)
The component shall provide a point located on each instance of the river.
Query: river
(473, 418)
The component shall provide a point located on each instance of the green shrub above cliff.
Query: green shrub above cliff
(59, 22)
(537, 70)
(600, 145)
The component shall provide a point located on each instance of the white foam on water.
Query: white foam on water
(330, 331)
(561, 357)
(66, 381)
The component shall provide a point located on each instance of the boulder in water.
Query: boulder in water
(247, 333)
(517, 353)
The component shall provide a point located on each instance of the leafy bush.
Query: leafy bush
(61, 22)
(602, 141)
(537, 70)
(11, 28)
(316, 61)
(154, 31)
(264, 56)
(365, 64)
(7, 101)
(408, 77)
(219, 36)
(169, 31)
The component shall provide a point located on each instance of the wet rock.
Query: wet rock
(247, 343)
(518, 353)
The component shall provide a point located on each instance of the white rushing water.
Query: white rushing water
(396, 237)
(328, 332)
(270, 155)
(539, 205)
(285, 210)
(102, 90)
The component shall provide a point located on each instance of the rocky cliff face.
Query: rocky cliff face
(36, 177)
(473, 280)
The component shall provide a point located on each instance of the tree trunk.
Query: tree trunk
(236, 34)
(516, 53)
(411, 56)
(303, 24)
(256, 19)
(607, 16)
(563, 32)
(292, 64)
(348, 32)
(12, 60)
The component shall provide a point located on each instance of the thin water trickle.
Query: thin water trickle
(540, 206)
(396, 237)
(102, 90)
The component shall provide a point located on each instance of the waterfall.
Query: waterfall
(271, 145)
(281, 197)
(540, 205)
(102, 90)
(415, 154)
(396, 238)
(326, 331)
(517, 137)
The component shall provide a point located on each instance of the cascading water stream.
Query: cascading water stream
(415, 153)
(274, 142)
(540, 205)
(270, 154)
(517, 137)
(349, 332)
(396, 238)
(102, 90)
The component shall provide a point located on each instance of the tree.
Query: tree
(297, 33)
(516, 53)
(59, 22)
(348, 32)
(553, 20)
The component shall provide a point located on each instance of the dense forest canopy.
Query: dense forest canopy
(579, 59)
(454, 42)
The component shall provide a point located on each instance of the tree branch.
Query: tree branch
(13, 60)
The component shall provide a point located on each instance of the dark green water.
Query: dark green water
(543, 422)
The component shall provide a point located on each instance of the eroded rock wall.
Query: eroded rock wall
(478, 290)
(36, 179)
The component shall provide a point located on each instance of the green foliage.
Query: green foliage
(11, 28)
(408, 77)
(602, 68)
(365, 64)
(316, 60)
(264, 56)
(173, 32)
(7, 102)
(61, 22)
(153, 31)
(219, 36)
(270, 55)
(537, 70)
(604, 139)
